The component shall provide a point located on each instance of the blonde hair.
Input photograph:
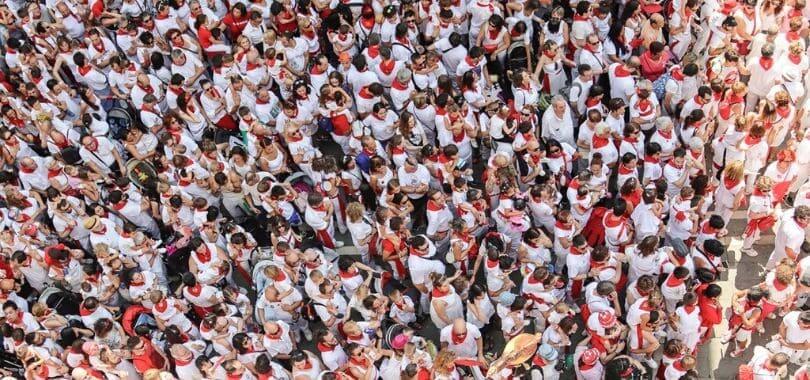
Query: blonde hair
(443, 360)
(354, 211)
(764, 182)
(38, 309)
(734, 171)
(739, 88)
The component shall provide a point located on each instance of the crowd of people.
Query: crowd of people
(181, 181)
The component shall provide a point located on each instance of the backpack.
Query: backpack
(660, 86)
(517, 57)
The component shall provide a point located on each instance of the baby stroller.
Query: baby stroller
(120, 120)
(142, 174)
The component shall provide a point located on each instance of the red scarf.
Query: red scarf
(195, 290)
(433, 206)
(458, 338)
(83, 70)
(622, 72)
(766, 62)
(436, 293)
(796, 59)
(205, 256)
(387, 67)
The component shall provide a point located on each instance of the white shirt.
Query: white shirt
(468, 348)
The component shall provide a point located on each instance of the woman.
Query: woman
(140, 145)
(444, 366)
(412, 132)
(533, 251)
(109, 333)
(362, 230)
(241, 162)
(652, 30)
(552, 66)
(209, 36)
(644, 258)
(445, 305)
(654, 61)
(729, 195)
(272, 158)
(494, 38)
(471, 91)
(623, 35)
(479, 307)
(190, 111)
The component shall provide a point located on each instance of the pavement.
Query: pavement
(713, 362)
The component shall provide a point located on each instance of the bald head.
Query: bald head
(459, 326)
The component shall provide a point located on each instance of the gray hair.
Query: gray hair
(662, 122)
(558, 98)
(696, 143)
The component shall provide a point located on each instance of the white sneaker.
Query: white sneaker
(307, 333)
(750, 252)
(339, 244)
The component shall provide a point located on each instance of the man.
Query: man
(33, 173)
(557, 122)
(767, 365)
(101, 155)
(464, 339)
(793, 339)
(187, 65)
(790, 235)
(622, 79)
(102, 231)
(414, 180)
(278, 340)
(147, 84)
(146, 356)
(318, 215)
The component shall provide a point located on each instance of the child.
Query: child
(402, 309)
(746, 311)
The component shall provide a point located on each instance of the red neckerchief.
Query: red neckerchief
(387, 67)
(651, 159)
(730, 184)
(677, 74)
(751, 140)
(205, 256)
(796, 59)
(581, 18)
(195, 290)
(492, 264)
(83, 70)
(162, 306)
(766, 62)
(148, 89)
(397, 85)
(673, 281)
(436, 293)
(458, 338)
(363, 363)
(612, 220)
(792, 36)
(100, 47)
(559, 224)
(576, 251)
(27, 170)
(323, 347)
(779, 285)
(622, 72)
(623, 169)
(373, 51)
(315, 70)
(783, 111)
(84, 312)
(592, 102)
(161, 16)
(675, 164)
(433, 206)
(459, 137)
(667, 135)
(599, 142)
(120, 205)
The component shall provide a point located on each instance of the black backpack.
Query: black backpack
(517, 56)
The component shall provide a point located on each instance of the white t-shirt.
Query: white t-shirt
(468, 347)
